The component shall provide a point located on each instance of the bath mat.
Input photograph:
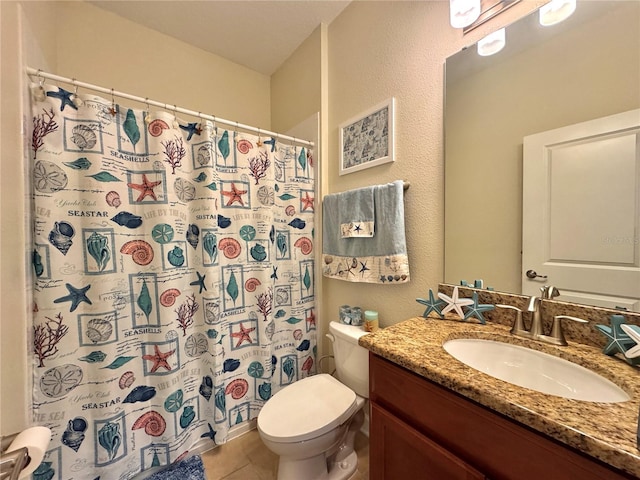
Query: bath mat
(188, 469)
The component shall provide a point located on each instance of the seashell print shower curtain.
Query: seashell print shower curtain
(173, 281)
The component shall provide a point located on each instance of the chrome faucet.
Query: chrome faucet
(536, 330)
(535, 309)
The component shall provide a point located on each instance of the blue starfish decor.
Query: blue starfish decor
(432, 305)
(617, 340)
(200, 282)
(76, 296)
(475, 310)
(191, 128)
(65, 98)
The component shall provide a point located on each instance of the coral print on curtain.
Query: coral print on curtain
(173, 281)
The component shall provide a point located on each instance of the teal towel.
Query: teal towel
(356, 212)
(378, 259)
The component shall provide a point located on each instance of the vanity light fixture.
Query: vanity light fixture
(463, 13)
(556, 11)
(492, 43)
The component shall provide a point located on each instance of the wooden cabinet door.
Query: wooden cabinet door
(398, 452)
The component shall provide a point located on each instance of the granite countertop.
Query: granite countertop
(606, 431)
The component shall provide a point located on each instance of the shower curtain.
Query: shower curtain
(173, 281)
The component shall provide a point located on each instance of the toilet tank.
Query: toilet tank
(352, 360)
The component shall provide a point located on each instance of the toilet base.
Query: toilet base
(344, 469)
(340, 464)
(317, 468)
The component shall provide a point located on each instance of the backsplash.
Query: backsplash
(585, 333)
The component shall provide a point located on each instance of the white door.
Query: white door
(581, 211)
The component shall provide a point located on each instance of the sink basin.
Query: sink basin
(535, 370)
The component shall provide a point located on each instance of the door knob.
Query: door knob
(533, 274)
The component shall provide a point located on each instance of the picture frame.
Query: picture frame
(368, 139)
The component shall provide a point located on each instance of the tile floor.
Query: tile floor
(246, 458)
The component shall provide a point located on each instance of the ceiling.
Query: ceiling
(260, 34)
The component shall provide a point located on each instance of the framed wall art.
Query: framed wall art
(367, 140)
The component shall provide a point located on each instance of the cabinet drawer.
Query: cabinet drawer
(398, 451)
(499, 447)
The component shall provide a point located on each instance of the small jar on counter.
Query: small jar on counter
(356, 316)
(345, 314)
(371, 320)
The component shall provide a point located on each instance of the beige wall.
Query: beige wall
(379, 50)
(102, 48)
(587, 72)
(295, 86)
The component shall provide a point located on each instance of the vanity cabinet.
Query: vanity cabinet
(420, 429)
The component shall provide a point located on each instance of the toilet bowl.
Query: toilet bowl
(311, 424)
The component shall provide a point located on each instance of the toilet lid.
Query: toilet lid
(306, 409)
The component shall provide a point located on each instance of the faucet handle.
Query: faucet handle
(549, 292)
(518, 325)
(557, 334)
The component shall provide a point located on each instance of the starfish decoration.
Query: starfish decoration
(634, 333)
(363, 268)
(383, 278)
(475, 309)
(432, 305)
(159, 359)
(200, 282)
(311, 319)
(454, 303)
(617, 340)
(145, 188)
(191, 128)
(64, 97)
(271, 142)
(210, 434)
(76, 296)
(357, 228)
(307, 202)
(243, 334)
(234, 195)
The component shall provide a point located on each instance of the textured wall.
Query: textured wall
(102, 48)
(295, 86)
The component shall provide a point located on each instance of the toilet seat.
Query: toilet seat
(306, 409)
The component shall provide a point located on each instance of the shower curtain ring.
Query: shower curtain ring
(113, 110)
(147, 117)
(39, 94)
(176, 123)
(77, 101)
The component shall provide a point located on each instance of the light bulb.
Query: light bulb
(463, 13)
(492, 43)
(556, 11)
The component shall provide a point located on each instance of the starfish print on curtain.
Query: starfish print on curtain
(172, 278)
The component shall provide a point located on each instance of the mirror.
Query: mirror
(584, 68)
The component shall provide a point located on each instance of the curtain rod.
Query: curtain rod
(72, 81)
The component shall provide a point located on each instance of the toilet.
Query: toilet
(311, 424)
